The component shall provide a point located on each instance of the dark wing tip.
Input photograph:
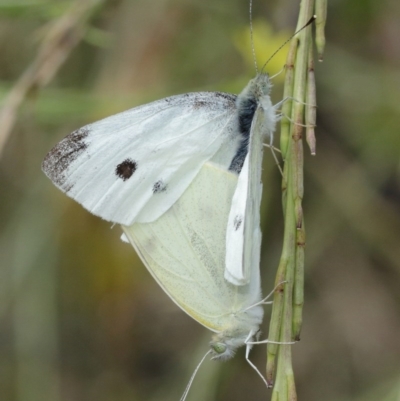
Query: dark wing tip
(63, 154)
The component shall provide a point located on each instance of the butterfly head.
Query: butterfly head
(261, 85)
(224, 345)
(258, 88)
(223, 349)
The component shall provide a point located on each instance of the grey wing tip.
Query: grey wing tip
(62, 155)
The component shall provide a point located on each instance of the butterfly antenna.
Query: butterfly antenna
(253, 50)
(185, 393)
(311, 20)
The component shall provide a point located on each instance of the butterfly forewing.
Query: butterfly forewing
(134, 165)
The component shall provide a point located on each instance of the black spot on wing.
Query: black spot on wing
(63, 154)
(125, 169)
(159, 186)
(237, 222)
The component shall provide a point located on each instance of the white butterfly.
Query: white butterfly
(182, 175)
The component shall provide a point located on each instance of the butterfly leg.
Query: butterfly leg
(275, 149)
(301, 125)
(272, 148)
(278, 73)
(279, 104)
(270, 342)
(263, 301)
(249, 346)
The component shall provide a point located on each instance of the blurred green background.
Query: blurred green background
(81, 318)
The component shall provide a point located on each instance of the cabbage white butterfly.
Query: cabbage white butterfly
(182, 175)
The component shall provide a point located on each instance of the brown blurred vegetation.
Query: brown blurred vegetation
(81, 319)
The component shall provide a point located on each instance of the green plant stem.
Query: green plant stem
(297, 160)
(284, 385)
(321, 11)
(311, 104)
(288, 95)
(286, 319)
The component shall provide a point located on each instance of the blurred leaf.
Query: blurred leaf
(266, 42)
(33, 8)
(98, 37)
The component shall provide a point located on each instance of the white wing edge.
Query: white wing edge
(243, 236)
(234, 267)
(124, 238)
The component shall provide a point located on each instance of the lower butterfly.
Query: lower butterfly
(182, 175)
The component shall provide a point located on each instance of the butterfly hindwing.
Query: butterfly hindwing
(184, 251)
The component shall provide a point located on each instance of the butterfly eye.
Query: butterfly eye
(219, 348)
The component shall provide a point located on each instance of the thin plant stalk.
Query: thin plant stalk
(62, 36)
(286, 319)
(321, 7)
(311, 105)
